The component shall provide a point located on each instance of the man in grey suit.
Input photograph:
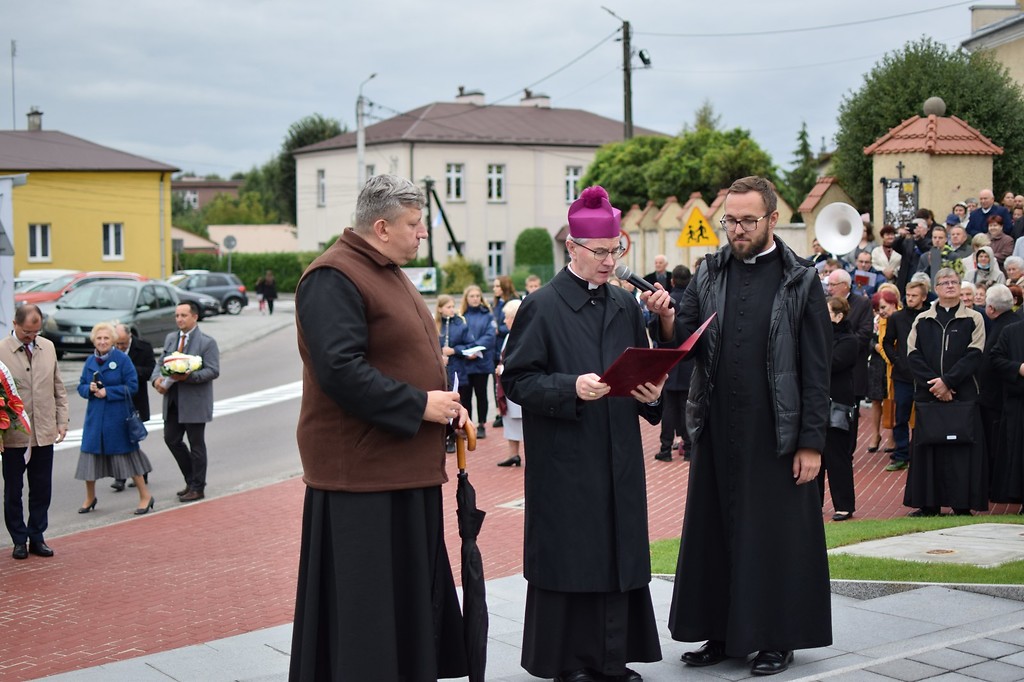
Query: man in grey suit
(188, 399)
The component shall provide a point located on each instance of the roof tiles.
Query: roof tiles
(934, 135)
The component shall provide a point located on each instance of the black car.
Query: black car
(223, 286)
(208, 305)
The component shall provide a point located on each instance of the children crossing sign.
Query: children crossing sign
(697, 231)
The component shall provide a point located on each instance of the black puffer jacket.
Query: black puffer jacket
(953, 352)
(799, 349)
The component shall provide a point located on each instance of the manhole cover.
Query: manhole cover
(941, 551)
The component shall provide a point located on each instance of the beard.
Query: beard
(754, 243)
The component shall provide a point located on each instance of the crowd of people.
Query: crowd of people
(937, 342)
(114, 382)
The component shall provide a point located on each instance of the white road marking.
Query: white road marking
(221, 408)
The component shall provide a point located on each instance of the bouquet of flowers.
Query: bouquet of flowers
(12, 410)
(176, 365)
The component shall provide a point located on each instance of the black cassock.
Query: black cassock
(1008, 459)
(752, 571)
(586, 551)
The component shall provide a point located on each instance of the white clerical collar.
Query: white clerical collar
(752, 260)
(590, 285)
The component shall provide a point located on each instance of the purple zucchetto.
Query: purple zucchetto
(593, 217)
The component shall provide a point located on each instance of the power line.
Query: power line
(804, 29)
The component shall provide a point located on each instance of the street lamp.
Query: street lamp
(361, 136)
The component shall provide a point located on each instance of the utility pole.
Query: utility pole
(627, 75)
(361, 136)
(14, 115)
(627, 83)
(429, 182)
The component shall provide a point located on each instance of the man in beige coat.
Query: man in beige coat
(32, 361)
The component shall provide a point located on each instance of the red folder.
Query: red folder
(638, 366)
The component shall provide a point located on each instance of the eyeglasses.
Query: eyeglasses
(948, 283)
(748, 224)
(600, 254)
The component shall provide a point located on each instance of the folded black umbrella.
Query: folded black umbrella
(474, 598)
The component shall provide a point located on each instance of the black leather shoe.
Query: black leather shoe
(481, 432)
(628, 676)
(182, 492)
(192, 496)
(771, 662)
(923, 511)
(513, 461)
(40, 548)
(711, 653)
(20, 552)
(498, 423)
(664, 456)
(583, 675)
(118, 485)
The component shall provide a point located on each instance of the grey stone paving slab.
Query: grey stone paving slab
(1014, 659)
(860, 676)
(987, 648)
(859, 629)
(906, 670)
(942, 606)
(948, 659)
(136, 670)
(1013, 636)
(983, 544)
(995, 671)
(953, 677)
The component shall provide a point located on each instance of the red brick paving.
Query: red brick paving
(228, 566)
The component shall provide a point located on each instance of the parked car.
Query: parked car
(146, 308)
(208, 305)
(224, 286)
(66, 283)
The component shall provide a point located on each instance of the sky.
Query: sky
(212, 87)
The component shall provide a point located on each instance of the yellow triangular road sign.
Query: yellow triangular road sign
(697, 231)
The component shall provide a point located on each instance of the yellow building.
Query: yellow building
(85, 206)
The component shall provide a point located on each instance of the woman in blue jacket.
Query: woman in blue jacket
(454, 336)
(108, 382)
(480, 365)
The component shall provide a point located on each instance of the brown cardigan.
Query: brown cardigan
(383, 449)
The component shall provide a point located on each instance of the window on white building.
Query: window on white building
(495, 259)
(453, 179)
(321, 187)
(496, 182)
(371, 170)
(451, 249)
(113, 241)
(572, 183)
(39, 243)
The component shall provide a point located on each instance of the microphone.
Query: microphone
(623, 272)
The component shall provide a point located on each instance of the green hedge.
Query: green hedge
(287, 267)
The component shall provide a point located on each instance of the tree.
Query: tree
(704, 118)
(705, 160)
(804, 175)
(975, 88)
(619, 168)
(247, 209)
(309, 130)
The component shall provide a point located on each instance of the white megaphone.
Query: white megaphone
(839, 228)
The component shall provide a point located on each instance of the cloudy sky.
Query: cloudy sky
(212, 87)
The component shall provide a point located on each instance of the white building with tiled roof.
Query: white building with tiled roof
(497, 170)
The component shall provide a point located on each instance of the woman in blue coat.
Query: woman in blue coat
(479, 366)
(454, 336)
(108, 382)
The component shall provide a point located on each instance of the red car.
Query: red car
(66, 283)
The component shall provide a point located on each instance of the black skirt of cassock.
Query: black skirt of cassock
(602, 631)
(1008, 462)
(376, 598)
(953, 476)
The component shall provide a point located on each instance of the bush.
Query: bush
(459, 273)
(287, 267)
(533, 250)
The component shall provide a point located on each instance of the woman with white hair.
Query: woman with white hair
(1014, 268)
(967, 294)
(108, 382)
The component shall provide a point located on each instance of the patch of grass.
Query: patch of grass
(845, 567)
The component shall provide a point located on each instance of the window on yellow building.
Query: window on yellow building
(113, 241)
(39, 243)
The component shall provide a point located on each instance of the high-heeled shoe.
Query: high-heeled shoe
(513, 461)
(147, 508)
(874, 448)
(89, 507)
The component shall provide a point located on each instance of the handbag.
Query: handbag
(944, 423)
(136, 429)
(839, 416)
(888, 413)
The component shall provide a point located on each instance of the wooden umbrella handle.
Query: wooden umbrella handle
(464, 442)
